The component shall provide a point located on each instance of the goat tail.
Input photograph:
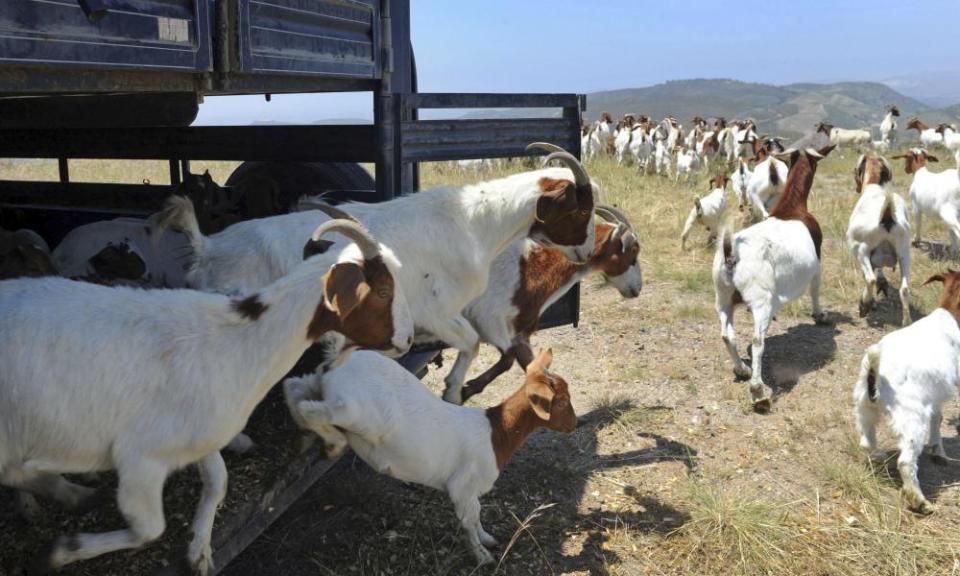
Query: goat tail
(178, 213)
(886, 213)
(727, 250)
(871, 363)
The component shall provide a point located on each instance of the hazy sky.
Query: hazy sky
(585, 46)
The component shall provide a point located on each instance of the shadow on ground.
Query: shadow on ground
(356, 521)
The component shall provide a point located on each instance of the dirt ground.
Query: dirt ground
(669, 471)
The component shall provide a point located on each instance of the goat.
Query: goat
(769, 265)
(708, 147)
(950, 137)
(148, 381)
(765, 183)
(845, 137)
(526, 279)
(888, 126)
(641, 147)
(708, 210)
(623, 137)
(447, 240)
(393, 422)
(879, 232)
(81, 253)
(661, 157)
(929, 137)
(909, 375)
(740, 178)
(586, 142)
(24, 254)
(601, 138)
(687, 163)
(933, 194)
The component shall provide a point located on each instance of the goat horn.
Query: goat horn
(355, 231)
(580, 177)
(615, 213)
(328, 209)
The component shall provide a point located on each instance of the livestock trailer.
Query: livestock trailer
(123, 79)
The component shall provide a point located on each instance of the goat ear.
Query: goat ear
(314, 247)
(826, 150)
(541, 362)
(555, 193)
(886, 174)
(930, 157)
(935, 278)
(540, 396)
(345, 287)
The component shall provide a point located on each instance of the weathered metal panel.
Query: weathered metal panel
(461, 139)
(480, 100)
(327, 37)
(335, 143)
(165, 35)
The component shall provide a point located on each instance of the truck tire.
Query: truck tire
(275, 187)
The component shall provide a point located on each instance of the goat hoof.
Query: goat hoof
(453, 396)
(241, 444)
(762, 405)
(820, 318)
(865, 308)
(484, 557)
(743, 373)
(923, 508)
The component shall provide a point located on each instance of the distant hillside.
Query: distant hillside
(790, 111)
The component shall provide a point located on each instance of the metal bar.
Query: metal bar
(336, 143)
(453, 100)
(64, 168)
(174, 172)
(184, 167)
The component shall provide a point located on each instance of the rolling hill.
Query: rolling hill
(790, 111)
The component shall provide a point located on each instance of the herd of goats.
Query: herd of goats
(143, 345)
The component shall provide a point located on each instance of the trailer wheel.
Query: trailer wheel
(274, 187)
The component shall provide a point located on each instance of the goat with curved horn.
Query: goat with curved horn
(369, 247)
(328, 209)
(580, 177)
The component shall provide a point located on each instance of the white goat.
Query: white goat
(929, 137)
(909, 375)
(687, 163)
(393, 422)
(879, 232)
(933, 194)
(163, 263)
(446, 239)
(641, 148)
(859, 137)
(888, 126)
(764, 187)
(24, 253)
(708, 211)
(661, 158)
(769, 265)
(148, 381)
(950, 136)
(740, 178)
(526, 279)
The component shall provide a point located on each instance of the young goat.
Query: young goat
(908, 376)
(445, 238)
(148, 381)
(708, 210)
(933, 194)
(526, 279)
(393, 422)
(857, 138)
(769, 265)
(879, 232)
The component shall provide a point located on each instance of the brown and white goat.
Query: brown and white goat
(769, 265)
(526, 279)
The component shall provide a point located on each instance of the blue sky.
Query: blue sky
(585, 46)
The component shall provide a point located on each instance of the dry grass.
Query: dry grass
(670, 472)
